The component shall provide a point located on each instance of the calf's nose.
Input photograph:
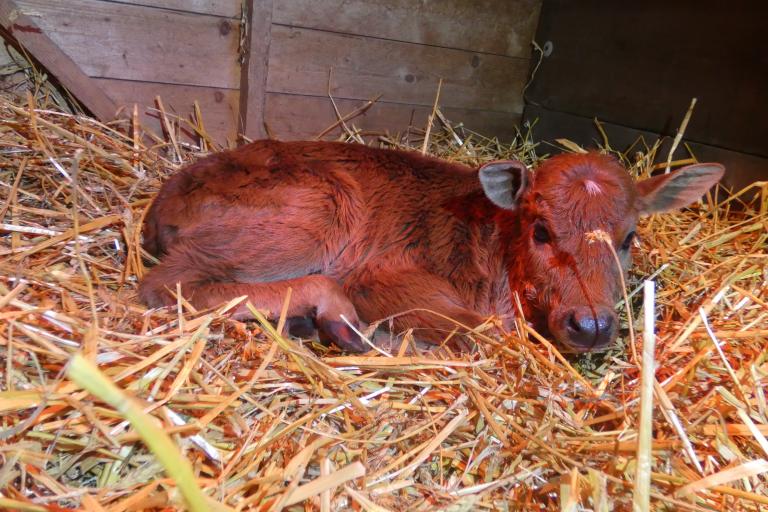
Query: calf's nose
(590, 327)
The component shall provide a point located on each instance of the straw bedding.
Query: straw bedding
(259, 421)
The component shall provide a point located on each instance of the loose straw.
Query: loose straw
(431, 118)
(260, 398)
(642, 496)
(679, 135)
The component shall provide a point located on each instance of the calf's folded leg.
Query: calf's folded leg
(316, 295)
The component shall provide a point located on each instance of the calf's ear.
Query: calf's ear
(677, 189)
(504, 182)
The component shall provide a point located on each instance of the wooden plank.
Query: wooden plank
(25, 29)
(300, 60)
(741, 168)
(253, 77)
(112, 40)
(291, 117)
(224, 8)
(502, 27)
(640, 67)
(218, 106)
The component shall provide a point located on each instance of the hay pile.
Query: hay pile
(261, 422)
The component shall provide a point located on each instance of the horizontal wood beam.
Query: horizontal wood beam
(549, 125)
(300, 61)
(291, 117)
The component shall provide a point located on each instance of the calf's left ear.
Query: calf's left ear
(504, 182)
(677, 189)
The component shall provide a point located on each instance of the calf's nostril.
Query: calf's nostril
(573, 324)
(605, 323)
(587, 323)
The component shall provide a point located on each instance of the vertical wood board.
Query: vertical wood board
(253, 76)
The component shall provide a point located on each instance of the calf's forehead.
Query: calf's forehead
(584, 192)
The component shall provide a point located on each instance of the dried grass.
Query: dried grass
(265, 422)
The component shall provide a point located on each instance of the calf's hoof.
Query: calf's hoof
(342, 335)
(154, 298)
(300, 327)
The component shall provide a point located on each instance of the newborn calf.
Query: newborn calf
(368, 233)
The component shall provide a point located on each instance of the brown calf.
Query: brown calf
(368, 233)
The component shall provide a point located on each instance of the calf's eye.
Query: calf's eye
(628, 241)
(541, 234)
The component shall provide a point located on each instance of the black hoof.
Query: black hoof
(300, 327)
(343, 336)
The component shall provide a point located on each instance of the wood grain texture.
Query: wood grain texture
(292, 117)
(219, 106)
(300, 61)
(641, 66)
(31, 35)
(253, 76)
(112, 40)
(502, 27)
(224, 8)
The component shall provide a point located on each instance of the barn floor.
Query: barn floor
(263, 422)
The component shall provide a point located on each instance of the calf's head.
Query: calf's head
(559, 223)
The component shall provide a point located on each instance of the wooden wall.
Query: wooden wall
(186, 50)
(400, 49)
(181, 50)
(637, 66)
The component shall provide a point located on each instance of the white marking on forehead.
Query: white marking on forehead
(592, 187)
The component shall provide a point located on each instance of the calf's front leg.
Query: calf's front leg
(405, 294)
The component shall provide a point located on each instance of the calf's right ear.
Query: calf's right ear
(504, 182)
(677, 189)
